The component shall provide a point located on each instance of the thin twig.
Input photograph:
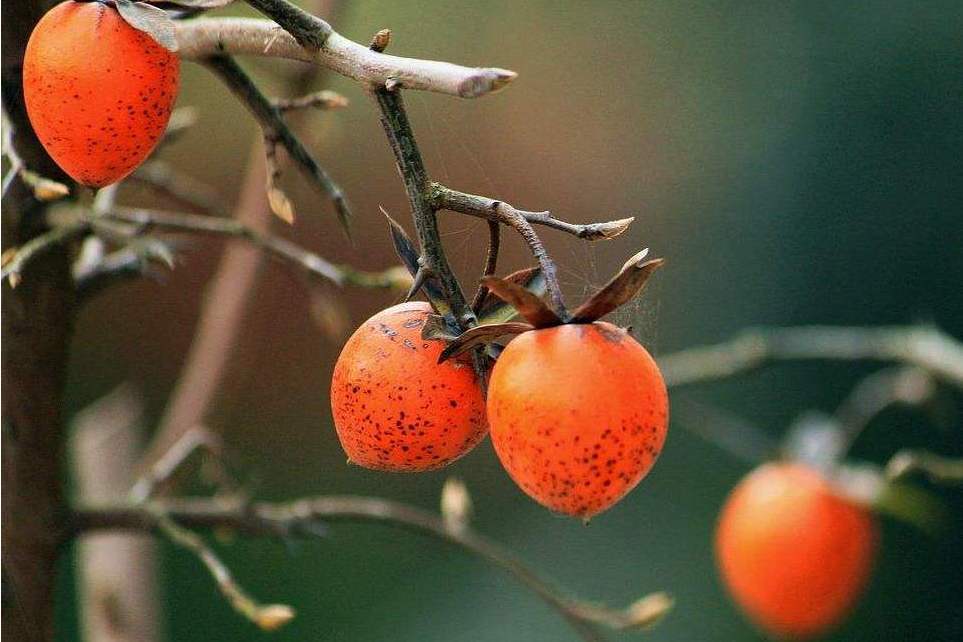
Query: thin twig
(939, 470)
(924, 347)
(301, 516)
(232, 287)
(276, 130)
(180, 186)
(38, 245)
(205, 37)
(491, 263)
(164, 469)
(267, 616)
(445, 198)
(306, 29)
(877, 392)
(411, 166)
(311, 262)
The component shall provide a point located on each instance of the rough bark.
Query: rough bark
(36, 323)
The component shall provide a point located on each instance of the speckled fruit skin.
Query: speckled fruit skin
(395, 407)
(98, 92)
(578, 415)
(794, 554)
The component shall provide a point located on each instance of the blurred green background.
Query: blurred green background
(795, 162)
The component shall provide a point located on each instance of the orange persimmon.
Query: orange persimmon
(794, 554)
(98, 92)
(578, 415)
(395, 407)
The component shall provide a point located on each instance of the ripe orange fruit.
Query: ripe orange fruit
(98, 92)
(395, 407)
(794, 554)
(578, 415)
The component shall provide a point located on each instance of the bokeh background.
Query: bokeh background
(795, 162)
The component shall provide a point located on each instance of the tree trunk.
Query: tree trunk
(36, 323)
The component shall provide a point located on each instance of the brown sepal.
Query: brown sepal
(623, 287)
(481, 334)
(532, 308)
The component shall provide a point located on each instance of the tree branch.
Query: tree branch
(206, 37)
(411, 166)
(445, 198)
(276, 130)
(303, 516)
(309, 31)
(312, 263)
(924, 347)
(268, 617)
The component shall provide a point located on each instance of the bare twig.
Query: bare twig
(267, 616)
(276, 131)
(877, 392)
(233, 286)
(39, 245)
(308, 30)
(312, 263)
(163, 470)
(940, 470)
(301, 516)
(924, 347)
(411, 166)
(206, 37)
(180, 186)
(445, 198)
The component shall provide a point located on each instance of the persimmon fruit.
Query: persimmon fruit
(794, 554)
(578, 415)
(98, 92)
(395, 407)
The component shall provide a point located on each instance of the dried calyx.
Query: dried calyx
(622, 288)
(518, 294)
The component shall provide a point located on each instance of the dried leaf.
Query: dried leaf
(526, 303)
(409, 256)
(494, 310)
(151, 20)
(481, 334)
(623, 287)
(280, 205)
